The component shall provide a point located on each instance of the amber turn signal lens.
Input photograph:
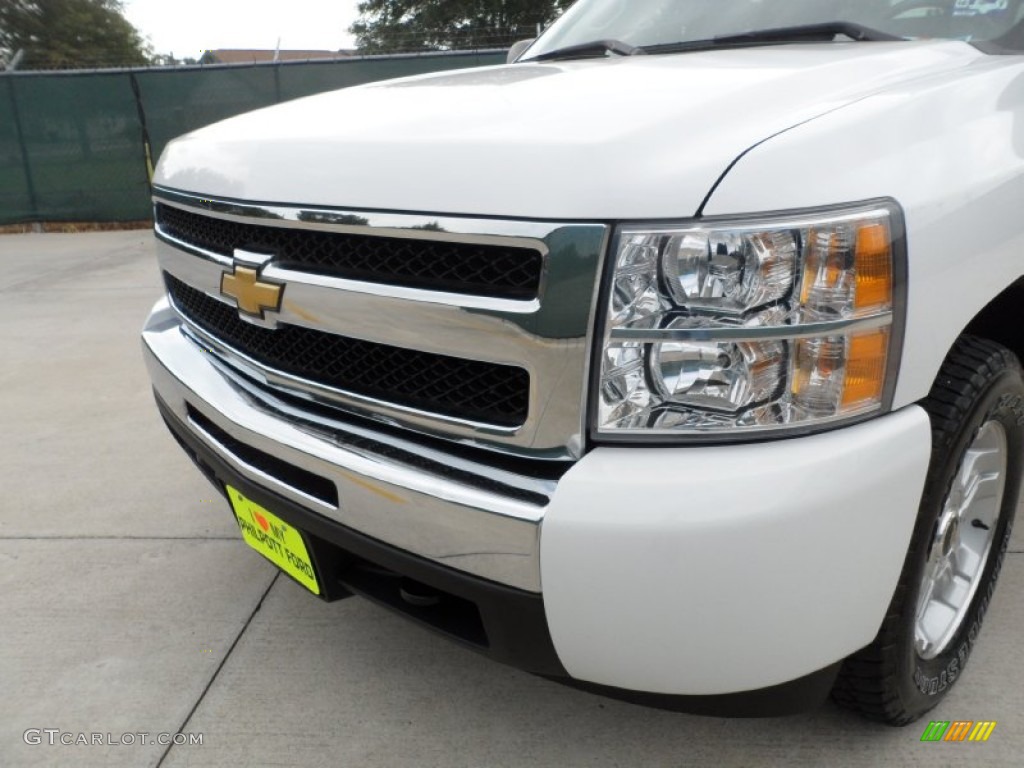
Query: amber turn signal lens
(873, 268)
(865, 369)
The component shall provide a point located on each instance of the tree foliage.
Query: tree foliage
(70, 34)
(410, 25)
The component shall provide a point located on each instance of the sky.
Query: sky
(188, 27)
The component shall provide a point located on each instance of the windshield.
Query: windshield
(651, 23)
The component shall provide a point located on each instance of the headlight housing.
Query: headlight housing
(732, 327)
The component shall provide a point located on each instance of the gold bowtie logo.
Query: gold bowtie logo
(252, 296)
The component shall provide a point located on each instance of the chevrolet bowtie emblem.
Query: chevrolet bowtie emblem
(252, 296)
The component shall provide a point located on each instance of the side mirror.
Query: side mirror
(518, 50)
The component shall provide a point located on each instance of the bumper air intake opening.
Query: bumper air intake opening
(317, 487)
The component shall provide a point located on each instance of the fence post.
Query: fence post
(141, 110)
(26, 166)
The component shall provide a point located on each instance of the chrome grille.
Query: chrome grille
(490, 349)
(469, 268)
(466, 389)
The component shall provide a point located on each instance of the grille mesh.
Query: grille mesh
(468, 389)
(481, 270)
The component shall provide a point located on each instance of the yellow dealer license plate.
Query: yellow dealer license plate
(273, 538)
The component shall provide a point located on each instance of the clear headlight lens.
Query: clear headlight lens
(729, 327)
(729, 272)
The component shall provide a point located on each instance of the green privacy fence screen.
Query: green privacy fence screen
(73, 145)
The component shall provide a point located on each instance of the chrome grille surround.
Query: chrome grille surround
(547, 335)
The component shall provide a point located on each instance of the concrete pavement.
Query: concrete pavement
(128, 602)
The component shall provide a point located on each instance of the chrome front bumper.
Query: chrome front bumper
(474, 517)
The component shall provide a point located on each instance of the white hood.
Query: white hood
(623, 138)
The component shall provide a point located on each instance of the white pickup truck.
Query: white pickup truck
(676, 360)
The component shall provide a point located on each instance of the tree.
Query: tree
(70, 34)
(411, 25)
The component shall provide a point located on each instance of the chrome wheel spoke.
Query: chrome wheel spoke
(966, 562)
(957, 588)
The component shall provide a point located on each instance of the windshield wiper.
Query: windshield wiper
(824, 31)
(591, 49)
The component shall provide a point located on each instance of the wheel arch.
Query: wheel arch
(1002, 319)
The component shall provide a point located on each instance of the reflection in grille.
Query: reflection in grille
(467, 389)
(482, 270)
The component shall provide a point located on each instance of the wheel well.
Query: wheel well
(1003, 320)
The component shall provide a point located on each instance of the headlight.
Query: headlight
(727, 328)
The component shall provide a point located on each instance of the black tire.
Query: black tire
(889, 681)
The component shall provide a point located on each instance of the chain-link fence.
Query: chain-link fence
(76, 146)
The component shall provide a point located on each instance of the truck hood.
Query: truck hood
(622, 138)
